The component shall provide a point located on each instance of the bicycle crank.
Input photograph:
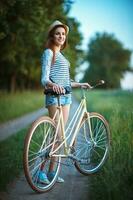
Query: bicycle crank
(81, 161)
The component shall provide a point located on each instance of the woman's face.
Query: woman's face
(59, 36)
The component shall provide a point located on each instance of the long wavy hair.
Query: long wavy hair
(50, 42)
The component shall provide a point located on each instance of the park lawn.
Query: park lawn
(115, 179)
(19, 103)
(11, 157)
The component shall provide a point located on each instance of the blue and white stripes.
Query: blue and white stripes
(57, 72)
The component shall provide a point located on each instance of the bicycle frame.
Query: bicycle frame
(80, 113)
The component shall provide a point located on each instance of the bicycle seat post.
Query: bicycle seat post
(58, 99)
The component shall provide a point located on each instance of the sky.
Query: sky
(111, 16)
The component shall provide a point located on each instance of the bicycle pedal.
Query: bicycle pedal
(74, 158)
(84, 162)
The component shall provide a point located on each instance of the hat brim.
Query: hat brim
(59, 25)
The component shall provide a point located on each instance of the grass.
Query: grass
(20, 103)
(115, 180)
(11, 151)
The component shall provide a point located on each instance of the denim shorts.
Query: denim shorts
(52, 100)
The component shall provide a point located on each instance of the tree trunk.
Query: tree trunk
(13, 83)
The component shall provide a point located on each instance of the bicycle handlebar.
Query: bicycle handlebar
(101, 82)
(68, 90)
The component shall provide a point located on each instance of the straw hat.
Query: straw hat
(58, 23)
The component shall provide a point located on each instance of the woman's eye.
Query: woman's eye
(60, 33)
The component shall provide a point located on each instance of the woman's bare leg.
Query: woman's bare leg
(65, 111)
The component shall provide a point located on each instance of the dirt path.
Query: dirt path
(75, 187)
(11, 127)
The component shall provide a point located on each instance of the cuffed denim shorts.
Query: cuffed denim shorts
(52, 100)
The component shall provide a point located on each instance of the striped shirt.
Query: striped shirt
(57, 72)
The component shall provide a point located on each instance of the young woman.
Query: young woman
(55, 75)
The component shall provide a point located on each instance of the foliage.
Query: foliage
(74, 52)
(108, 60)
(115, 180)
(22, 36)
(11, 151)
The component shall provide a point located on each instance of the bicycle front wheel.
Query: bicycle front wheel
(37, 146)
(92, 144)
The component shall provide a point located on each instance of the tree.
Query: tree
(23, 26)
(73, 51)
(107, 59)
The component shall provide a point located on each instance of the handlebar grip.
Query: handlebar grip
(68, 90)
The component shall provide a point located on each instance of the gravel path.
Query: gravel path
(75, 187)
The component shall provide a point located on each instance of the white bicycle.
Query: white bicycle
(88, 146)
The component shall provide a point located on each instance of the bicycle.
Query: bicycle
(88, 147)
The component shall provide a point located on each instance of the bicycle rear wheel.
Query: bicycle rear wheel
(92, 151)
(37, 146)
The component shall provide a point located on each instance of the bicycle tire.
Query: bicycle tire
(93, 153)
(38, 142)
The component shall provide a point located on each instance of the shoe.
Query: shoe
(42, 178)
(51, 176)
(60, 180)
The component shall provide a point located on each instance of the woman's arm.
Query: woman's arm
(45, 79)
(46, 65)
(78, 85)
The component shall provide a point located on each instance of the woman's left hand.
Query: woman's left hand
(85, 85)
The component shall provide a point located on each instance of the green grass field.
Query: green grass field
(11, 154)
(115, 180)
(20, 103)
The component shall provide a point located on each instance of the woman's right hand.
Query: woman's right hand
(58, 89)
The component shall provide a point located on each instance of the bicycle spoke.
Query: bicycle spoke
(92, 146)
(36, 154)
